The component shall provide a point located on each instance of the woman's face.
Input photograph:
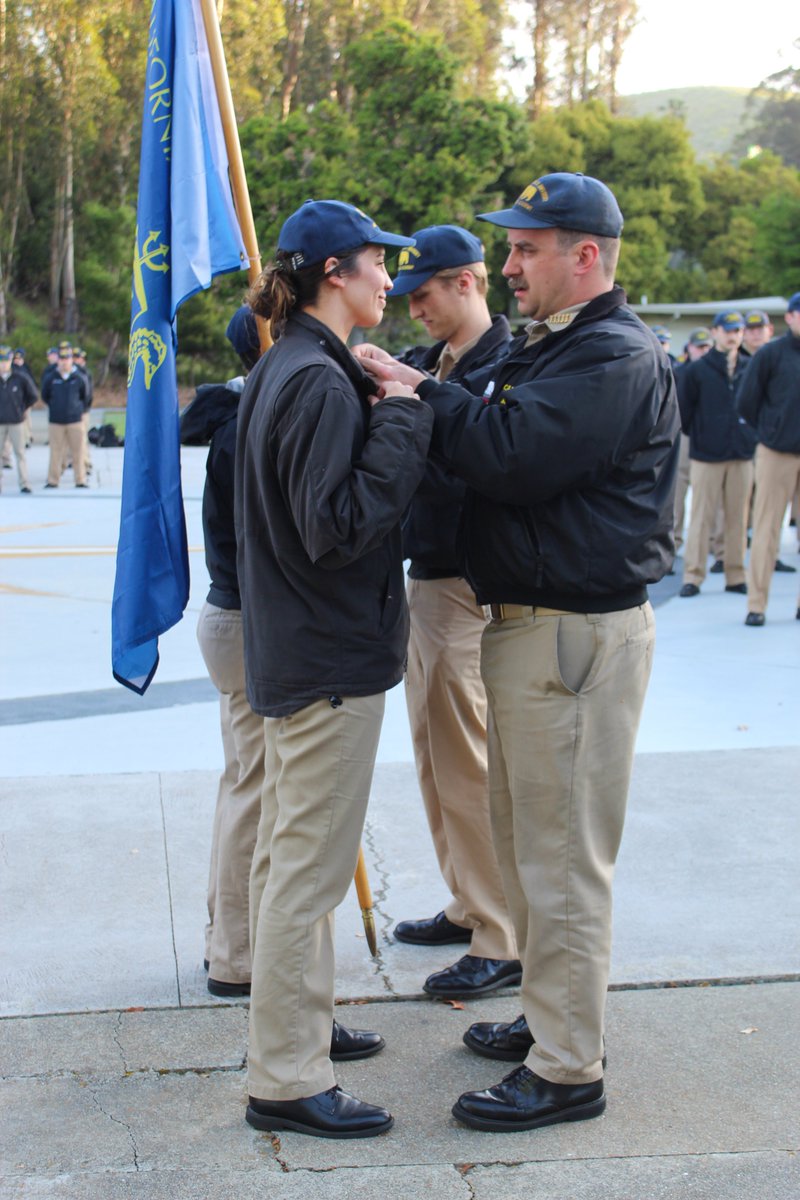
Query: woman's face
(366, 288)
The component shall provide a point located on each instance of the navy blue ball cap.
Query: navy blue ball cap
(5, 354)
(728, 320)
(756, 319)
(321, 228)
(700, 337)
(563, 201)
(242, 332)
(662, 333)
(433, 249)
(794, 303)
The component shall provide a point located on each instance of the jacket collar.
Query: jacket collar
(302, 324)
(715, 360)
(595, 310)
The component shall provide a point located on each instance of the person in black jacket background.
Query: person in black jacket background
(769, 398)
(569, 457)
(325, 467)
(211, 417)
(721, 447)
(65, 392)
(17, 395)
(443, 274)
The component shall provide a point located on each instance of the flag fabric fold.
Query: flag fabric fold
(187, 233)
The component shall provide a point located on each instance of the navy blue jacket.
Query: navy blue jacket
(17, 394)
(707, 398)
(67, 398)
(570, 458)
(322, 480)
(769, 396)
(211, 417)
(431, 523)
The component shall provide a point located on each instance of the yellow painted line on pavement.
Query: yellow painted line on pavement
(26, 528)
(8, 589)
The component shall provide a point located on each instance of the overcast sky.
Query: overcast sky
(695, 43)
(692, 43)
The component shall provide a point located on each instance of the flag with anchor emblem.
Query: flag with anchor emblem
(187, 232)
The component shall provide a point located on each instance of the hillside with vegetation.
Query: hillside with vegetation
(714, 116)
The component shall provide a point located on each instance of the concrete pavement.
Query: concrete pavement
(121, 1077)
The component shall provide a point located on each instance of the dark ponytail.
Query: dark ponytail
(279, 290)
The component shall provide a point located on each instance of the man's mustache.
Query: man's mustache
(515, 282)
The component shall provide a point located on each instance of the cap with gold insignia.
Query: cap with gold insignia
(562, 201)
(433, 249)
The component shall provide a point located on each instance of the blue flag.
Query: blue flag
(187, 232)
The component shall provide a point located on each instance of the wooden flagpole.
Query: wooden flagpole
(241, 196)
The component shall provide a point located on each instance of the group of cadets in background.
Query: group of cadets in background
(740, 450)
(66, 388)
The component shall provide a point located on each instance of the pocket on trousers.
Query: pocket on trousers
(576, 652)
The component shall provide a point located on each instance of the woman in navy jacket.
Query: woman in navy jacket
(325, 469)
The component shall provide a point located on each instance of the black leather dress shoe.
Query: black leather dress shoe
(472, 976)
(718, 568)
(782, 566)
(432, 931)
(331, 1114)
(508, 1041)
(526, 1101)
(689, 589)
(353, 1043)
(739, 588)
(218, 987)
(754, 618)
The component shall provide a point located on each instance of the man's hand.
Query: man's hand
(367, 350)
(392, 388)
(383, 368)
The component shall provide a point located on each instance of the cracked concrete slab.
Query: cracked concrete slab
(705, 883)
(681, 1065)
(765, 1175)
(368, 1183)
(682, 1062)
(120, 1042)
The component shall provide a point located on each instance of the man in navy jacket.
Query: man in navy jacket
(569, 457)
(721, 446)
(769, 399)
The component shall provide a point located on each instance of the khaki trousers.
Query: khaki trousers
(66, 439)
(227, 942)
(681, 488)
(777, 480)
(16, 435)
(716, 543)
(731, 483)
(447, 712)
(318, 774)
(565, 696)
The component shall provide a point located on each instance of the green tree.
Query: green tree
(774, 112)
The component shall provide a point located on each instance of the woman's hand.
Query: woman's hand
(390, 388)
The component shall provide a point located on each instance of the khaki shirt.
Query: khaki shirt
(537, 330)
(448, 358)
